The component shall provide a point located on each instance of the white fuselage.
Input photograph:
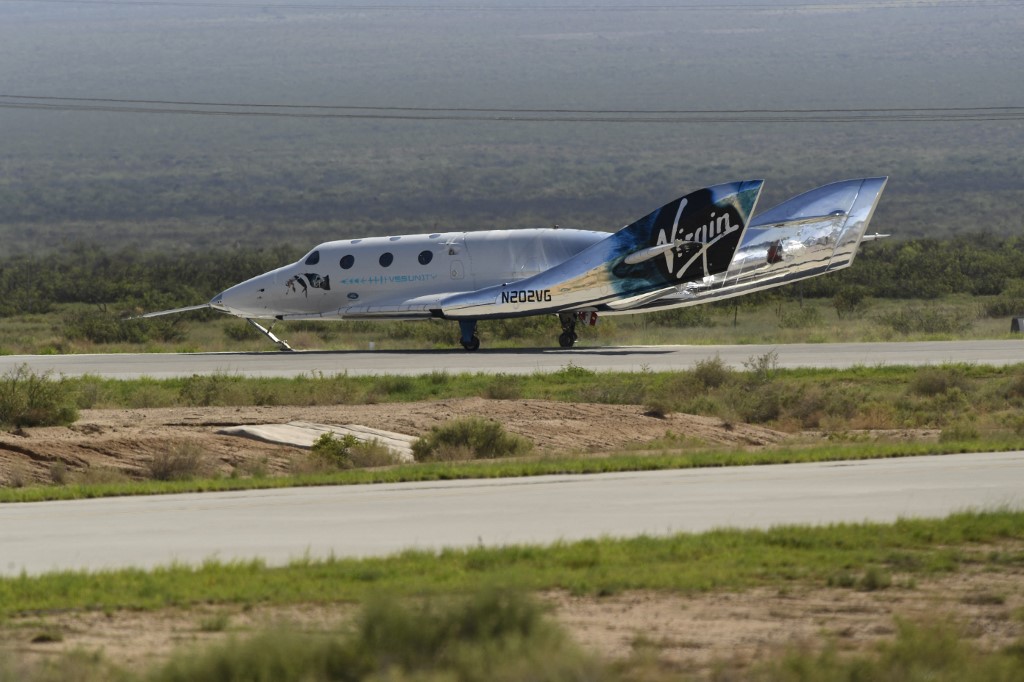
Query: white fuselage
(379, 276)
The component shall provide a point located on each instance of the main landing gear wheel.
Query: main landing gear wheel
(568, 336)
(467, 335)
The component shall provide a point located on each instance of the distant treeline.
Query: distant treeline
(977, 264)
(127, 279)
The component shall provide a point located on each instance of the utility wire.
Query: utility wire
(705, 7)
(506, 115)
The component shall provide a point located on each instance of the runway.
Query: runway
(524, 361)
(374, 520)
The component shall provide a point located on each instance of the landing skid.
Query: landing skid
(282, 345)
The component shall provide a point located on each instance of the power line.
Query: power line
(706, 7)
(516, 110)
(510, 115)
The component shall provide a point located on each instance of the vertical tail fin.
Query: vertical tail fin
(686, 239)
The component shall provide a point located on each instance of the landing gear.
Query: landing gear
(469, 338)
(282, 345)
(568, 336)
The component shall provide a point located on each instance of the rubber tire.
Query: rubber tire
(473, 345)
(566, 339)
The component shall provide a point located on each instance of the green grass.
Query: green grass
(717, 560)
(564, 464)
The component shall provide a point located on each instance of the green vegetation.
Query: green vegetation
(109, 484)
(937, 652)
(501, 635)
(31, 399)
(469, 438)
(717, 560)
(348, 452)
(789, 399)
(490, 635)
(974, 408)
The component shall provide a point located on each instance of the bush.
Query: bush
(30, 399)
(333, 451)
(182, 462)
(958, 432)
(348, 452)
(201, 390)
(484, 438)
(712, 372)
(912, 320)
(491, 636)
(932, 381)
(101, 326)
(801, 318)
(849, 300)
(762, 367)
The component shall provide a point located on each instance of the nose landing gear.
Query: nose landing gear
(266, 331)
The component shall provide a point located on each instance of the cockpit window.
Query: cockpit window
(385, 259)
(313, 258)
(347, 261)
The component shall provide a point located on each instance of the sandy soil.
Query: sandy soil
(125, 441)
(689, 633)
(682, 632)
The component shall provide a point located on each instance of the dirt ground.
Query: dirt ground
(694, 634)
(125, 441)
(691, 633)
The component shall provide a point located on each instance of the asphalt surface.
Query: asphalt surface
(524, 361)
(373, 520)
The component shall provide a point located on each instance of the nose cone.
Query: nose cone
(244, 300)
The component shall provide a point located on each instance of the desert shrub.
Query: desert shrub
(930, 320)
(348, 452)
(333, 451)
(799, 318)
(371, 453)
(240, 331)
(712, 372)
(614, 390)
(809, 407)
(31, 399)
(58, 473)
(1009, 303)
(958, 432)
(850, 300)
(503, 387)
(490, 636)
(204, 390)
(486, 439)
(183, 461)
(690, 316)
(932, 381)
(103, 326)
(874, 579)
(660, 406)
(757, 405)
(1015, 387)
(935, 651)
(762, 368)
